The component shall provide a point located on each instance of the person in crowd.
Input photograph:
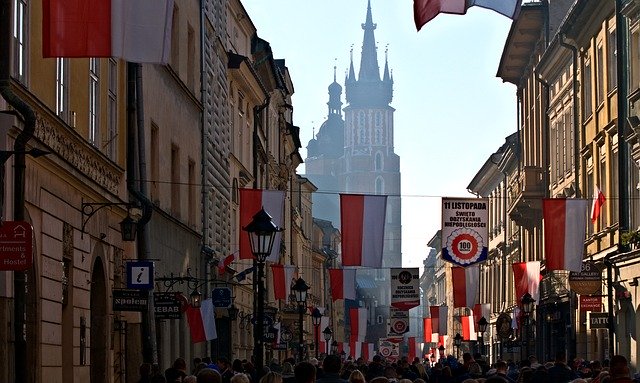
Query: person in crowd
(145, 373)
(275, 366)
(240, 378)
(190, 379)
(237, 366)
(271, 377)
(305, 372)
(619, 370)
(209, 375)
(224, 367)
(356, 376)
(560, 372)
(379, 379)
(331, 366)
(501, 370)
(196, 362)
(181, 365)
(375, 369)
(173, 375)
(287, 373)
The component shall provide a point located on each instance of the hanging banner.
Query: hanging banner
(388, 349)
(398, 322)
(465, 235)
(405, 288)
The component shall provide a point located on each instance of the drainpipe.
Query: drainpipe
(19, 277)
(138, 190)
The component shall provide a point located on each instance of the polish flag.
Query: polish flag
(598, 200)
(355, 349)
(468, 328)
(362, 222)
(137, 31)
(465, 285)
(358, 318)
(343, 283)
(229, 259)
(251, 201)
(202, 322)
(427, 330)
(368, 352)
(482, 310)
(344, 346)
(415, 348)
(526, 276)
(515, 317)
(439, 316)
(565, 225)
(282, 276)
(426, 10)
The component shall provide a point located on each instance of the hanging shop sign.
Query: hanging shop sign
(167, 305)
(598, 320)
(591, 303)
(465, 231)
(398, 322)
(405, 289)
(129, 300)
(587, 281)
(16, 246)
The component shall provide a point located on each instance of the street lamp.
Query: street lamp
(482, 327)
(457, 341)
(262, 232)
(527, 307)
(300, 289)
(316, 317)
(327, 334)
(334, 347)
(441, 349)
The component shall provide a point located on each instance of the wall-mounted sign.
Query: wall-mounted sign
(16, 246)
(465, 234)
(221, 297)
(129, 300)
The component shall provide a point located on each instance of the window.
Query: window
(175, 39)
(20, 40)
(378, 119)
(614, 190)
(192, 192)
(175, 181)
(602, 181)
(586, 89)
(612, 64)
(110, 144)
(379, 185)
(191, 56)
(600, 74)
(62, 88)
(378, 162)
(94, 97)
(361, 128)
(589, 187)
(154, 160)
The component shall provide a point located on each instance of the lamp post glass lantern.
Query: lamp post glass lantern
(327, 334)
(195, 298)
(300, 289)
(441, 349)
(527, 306)
(482, 327)
(457, 341)
(334, 347)
(262, 233)
(527, 303)
(316, 317)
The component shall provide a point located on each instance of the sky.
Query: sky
(452, 112)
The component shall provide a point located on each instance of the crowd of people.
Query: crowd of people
(332, 369)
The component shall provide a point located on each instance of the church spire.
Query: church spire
(369, 70)
(386, 76)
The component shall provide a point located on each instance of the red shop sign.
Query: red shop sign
(591, 303)
(16, 245)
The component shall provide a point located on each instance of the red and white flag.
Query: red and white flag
(324, 323)
(355, 349)
(202, 322)
(362, 223)
(468, 328)
(526, 277)
(368, 352)
(565, 226)
(229, 259)
(343, 283)
(439, 315)
(426, 10)
(596, 205)
(415, 348)
(482, 310)
(344, 347)
(427, 331)
(358, 318)
(136, 31)
(282, 276)
(251, 201)
(465, 285)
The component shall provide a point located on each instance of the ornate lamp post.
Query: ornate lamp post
(457, 341)
(262, 232)
(441, 349)
(300, 289)
(315, 319)
(527, 307)
(482, 327)
(334, 347)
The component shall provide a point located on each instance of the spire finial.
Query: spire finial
(335, 61)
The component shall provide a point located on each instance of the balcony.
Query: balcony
(525, 197)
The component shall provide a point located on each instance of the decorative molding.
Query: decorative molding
(78, 153)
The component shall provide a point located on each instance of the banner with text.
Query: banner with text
(465, 234)
(398, 322)
(405, 288)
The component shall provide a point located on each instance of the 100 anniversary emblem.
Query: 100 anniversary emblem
(465, 230)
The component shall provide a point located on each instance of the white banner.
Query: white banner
(465, 232)
(398, 322)
(405, 288)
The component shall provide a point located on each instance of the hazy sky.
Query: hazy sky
(452, 111)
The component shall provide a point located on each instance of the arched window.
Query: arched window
(379, 185)
(378, 162)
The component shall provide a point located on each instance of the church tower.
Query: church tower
(370, 165)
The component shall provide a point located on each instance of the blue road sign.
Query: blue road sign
(140, 275)
(221, 297)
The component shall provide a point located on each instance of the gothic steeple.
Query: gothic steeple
(369, 70)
